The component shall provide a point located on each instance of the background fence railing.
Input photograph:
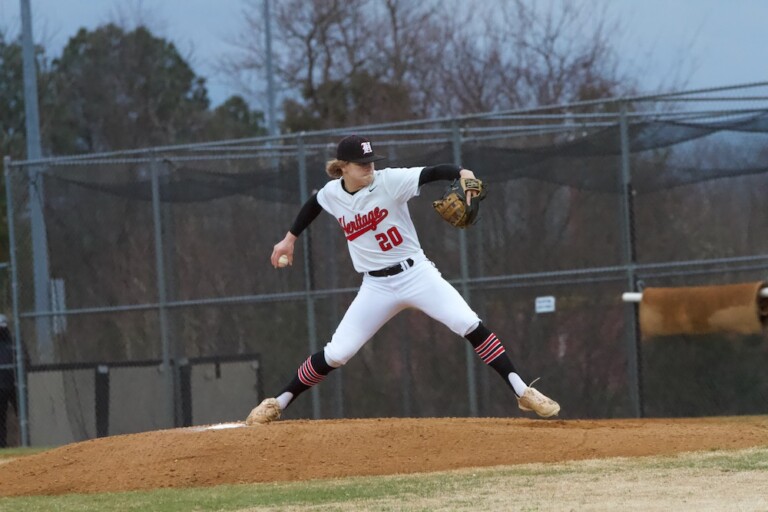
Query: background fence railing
(162, 254)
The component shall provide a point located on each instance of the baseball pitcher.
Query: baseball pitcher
(371, 207)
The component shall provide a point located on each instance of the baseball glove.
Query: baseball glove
(453, 205)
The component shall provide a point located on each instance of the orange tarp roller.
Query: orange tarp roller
(736, 308)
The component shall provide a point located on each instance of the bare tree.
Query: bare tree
(378, 60)
(561, 61)
(339, 60)
(518, 54)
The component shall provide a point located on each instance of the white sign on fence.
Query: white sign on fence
(545, 304)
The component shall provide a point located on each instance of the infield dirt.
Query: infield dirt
(304, 449)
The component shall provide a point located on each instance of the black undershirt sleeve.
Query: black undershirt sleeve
(307, 214)
(439, 172)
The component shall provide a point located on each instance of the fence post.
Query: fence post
(464, 269)
(161, 291)
(630, 260)
(21, 378)
(309, 280)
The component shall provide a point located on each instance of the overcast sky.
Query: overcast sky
(723, 42)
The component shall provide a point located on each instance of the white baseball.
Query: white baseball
(282, 261)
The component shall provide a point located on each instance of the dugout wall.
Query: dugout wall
(75, 402)
(162, 254)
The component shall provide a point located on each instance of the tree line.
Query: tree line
(335, 63)
(356, 62)
(113, 88)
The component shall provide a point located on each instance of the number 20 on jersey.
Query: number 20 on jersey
(390, 239)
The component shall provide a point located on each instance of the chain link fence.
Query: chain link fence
(144, 297)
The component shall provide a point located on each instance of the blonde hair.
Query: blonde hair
(333, 168)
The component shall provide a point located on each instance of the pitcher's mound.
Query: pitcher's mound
(300, 450)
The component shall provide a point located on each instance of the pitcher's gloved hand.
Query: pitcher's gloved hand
(453, 205)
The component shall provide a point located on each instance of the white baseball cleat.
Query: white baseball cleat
(534, 400)
(266, 412)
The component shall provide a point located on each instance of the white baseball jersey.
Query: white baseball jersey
(375, 219)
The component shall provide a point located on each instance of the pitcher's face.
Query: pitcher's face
(357, 176)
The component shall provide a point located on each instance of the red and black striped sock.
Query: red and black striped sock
(310, 373)
(491, 351)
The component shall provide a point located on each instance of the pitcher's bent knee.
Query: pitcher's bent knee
(336, 358)
(465, 323)
(474, 325)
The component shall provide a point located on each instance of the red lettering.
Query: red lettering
(361, 224)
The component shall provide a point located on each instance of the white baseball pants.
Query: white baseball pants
(380, 298)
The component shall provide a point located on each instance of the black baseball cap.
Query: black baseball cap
(357, 149)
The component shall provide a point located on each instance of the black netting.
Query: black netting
(586, 163)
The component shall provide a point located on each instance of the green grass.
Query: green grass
(12, 453)
(235, 497)
(747, 460)
(486, 489)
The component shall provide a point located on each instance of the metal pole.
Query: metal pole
(36, 218)
(176, 349)
(630, 260)
(272, 123)
(464, 262)
(309, 283)
(161, 293)
(21, 378)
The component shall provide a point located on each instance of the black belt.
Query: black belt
(393, 270)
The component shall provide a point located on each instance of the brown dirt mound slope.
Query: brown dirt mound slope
(302, 450)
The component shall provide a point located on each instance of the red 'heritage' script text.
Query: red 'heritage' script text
(363, 223)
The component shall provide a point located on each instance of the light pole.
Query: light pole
(36, 193)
